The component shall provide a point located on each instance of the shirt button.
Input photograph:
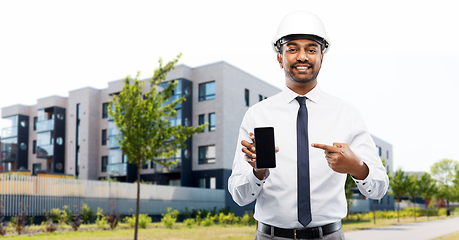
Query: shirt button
(369, 190)
(253, 194)
(363, 183)
(258, 184)
(356, 182)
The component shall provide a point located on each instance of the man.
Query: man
(319, 138)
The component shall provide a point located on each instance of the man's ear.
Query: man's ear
(279, 59)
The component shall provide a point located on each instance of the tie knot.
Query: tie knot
(301, 100)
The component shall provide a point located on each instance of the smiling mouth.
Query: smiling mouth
(302, 68)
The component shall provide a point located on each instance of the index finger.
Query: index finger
(325, 147)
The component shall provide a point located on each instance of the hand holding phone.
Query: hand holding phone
(265, 149)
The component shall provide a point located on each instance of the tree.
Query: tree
(143, 122)
(398, 187)
(427, 189)
(444, 171)
(350, 183)
(412, 189)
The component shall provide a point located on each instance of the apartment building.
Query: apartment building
(74, 135)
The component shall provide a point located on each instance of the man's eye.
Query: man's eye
(312, 50)
(291, 50)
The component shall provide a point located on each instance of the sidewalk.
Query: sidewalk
(419, 231)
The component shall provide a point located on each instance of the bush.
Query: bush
(189, 222)
(87, 214)
(55, 214)
(144, 220)
(101, 220)
(247, 220)
(209, 220)
(169, 218)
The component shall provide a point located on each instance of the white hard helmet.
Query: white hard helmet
(301, 25)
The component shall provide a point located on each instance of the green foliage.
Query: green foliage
(87, 214)
(189, 222)
(209, 220)
(101, 220)
(108, 180)
(55, 214)
(247, 220)
(144, 220)
(169, 218)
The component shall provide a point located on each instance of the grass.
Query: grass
(157, 231)
(452, 236)
(181, 232)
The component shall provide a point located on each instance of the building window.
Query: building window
(202, 120)
(379, 150)
(206, 91)
(246, 97)
(175, 182)
(206, 154)
(104, 137)
(104, 163)
(35, 120)
(202, 182)
(260, 98)
(387, 154)
(104, 110)
(213, 182)
(34, 146)
(146, 165)
(212, 122)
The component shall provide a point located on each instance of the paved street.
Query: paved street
(418, 231)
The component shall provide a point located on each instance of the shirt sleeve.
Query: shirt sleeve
(243, 185)
(375, 185)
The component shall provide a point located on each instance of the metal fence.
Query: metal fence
(36, 194)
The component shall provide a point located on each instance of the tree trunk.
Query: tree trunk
(137, 203)
(414, 202)
(398, 210)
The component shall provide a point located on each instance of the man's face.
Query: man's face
(301, 60)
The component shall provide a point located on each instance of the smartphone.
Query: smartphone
(265, 148)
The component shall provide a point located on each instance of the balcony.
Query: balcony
(113, 141)
(45, 151)
(8, 156)
(9, 132)
(47, 125)
(172, 168)
(117, 169)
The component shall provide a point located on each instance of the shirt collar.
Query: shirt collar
(313, 95)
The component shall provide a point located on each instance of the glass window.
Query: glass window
(202, 182)
(34, 146)
(104, 110)
(213, 182)
(104, 137)
(145, 166)
(212, 122)
(174, 182)
(387, 154)
(379, 150)
(246, 97)
(35, 120)
(104, 163)
(202, 120)
(206, 154)
(260, 98)
(207, 91)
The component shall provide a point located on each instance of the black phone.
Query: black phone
(265, 148)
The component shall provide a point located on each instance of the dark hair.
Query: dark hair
(323, 44)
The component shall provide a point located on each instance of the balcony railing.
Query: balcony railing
(9, 132)
(117, 169)
(44, 151)
(8, 156)
(173, 168)
(113, 141)
(47, 125)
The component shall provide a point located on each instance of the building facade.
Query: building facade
(74, 135)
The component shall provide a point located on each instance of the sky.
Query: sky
(397, 62)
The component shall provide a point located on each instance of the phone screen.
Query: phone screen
(265, 147)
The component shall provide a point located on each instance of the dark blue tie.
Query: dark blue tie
(302, 144)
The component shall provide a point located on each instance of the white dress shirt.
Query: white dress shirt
(329, 120)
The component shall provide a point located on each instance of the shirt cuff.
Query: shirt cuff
(256, 184)
(365, 183)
